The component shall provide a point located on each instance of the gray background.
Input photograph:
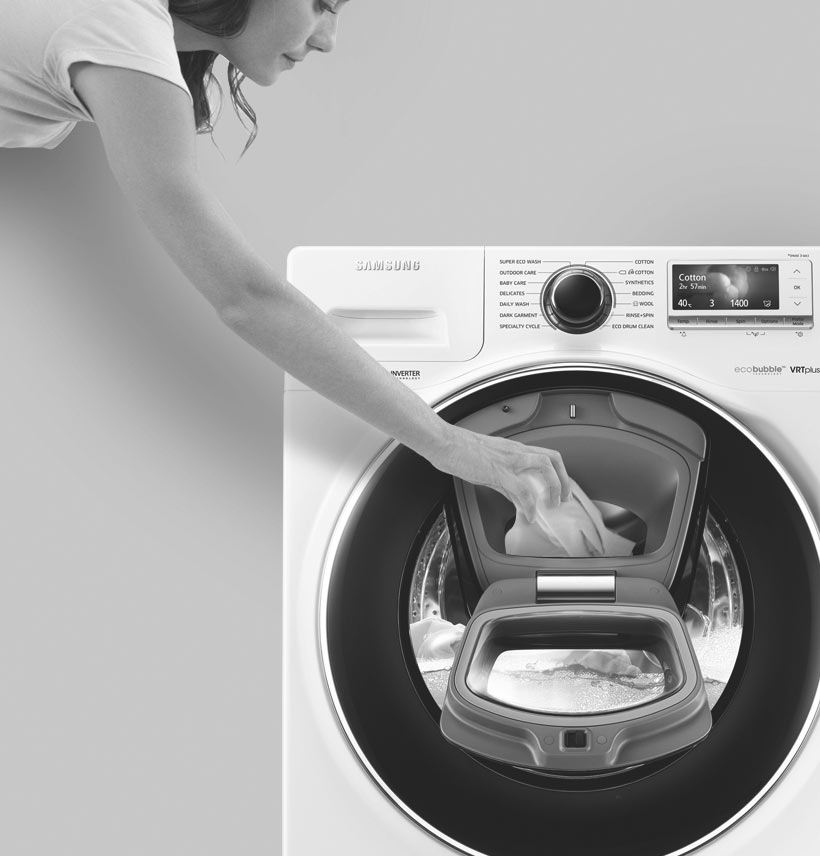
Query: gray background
(139, 611)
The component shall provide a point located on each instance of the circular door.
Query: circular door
(755, 581)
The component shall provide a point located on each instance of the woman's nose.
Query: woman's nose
(324, 38)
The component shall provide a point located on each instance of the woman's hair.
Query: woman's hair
(217, 18)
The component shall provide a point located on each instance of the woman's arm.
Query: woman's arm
(147, 129)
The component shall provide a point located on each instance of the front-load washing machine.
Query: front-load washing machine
(644, 681)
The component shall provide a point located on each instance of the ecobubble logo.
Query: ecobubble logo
(759, 370)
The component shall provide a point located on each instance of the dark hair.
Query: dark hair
(217, 18)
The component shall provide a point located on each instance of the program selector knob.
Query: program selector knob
(577, 299)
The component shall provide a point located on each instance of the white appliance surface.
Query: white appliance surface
(443, 319)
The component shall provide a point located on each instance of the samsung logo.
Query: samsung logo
(388, 264)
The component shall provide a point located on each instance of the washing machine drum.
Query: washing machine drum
(636, 700)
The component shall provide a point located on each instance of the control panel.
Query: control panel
(582, 292)
(748, 293)
(741, 317)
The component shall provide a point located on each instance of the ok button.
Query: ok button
(798, 287)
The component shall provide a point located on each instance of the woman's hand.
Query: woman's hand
(528, 476)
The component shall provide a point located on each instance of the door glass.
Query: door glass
(577, 681)
(714, 619)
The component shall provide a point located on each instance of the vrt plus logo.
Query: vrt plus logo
(805, 369)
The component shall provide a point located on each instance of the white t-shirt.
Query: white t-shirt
(40, 39)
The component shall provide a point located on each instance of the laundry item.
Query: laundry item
(435, 639)
(575, 529)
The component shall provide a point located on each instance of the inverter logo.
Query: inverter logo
(388, 264)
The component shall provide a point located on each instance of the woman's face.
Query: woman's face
(280, 33)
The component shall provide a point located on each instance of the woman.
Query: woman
(138, 69)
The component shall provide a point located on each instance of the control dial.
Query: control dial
(577, 299)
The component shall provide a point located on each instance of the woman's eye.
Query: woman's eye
(327, 7)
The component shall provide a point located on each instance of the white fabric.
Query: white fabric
(435, 639)
(575, 528)
(40, 39)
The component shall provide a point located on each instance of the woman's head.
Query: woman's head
(280, 33)
(259, 38)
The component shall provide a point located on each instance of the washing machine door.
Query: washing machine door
(405, 580)
(576, 657)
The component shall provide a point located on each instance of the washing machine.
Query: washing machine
(447, 688)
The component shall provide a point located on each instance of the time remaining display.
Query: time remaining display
(725, 287)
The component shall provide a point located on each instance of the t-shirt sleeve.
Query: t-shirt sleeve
(135, 34)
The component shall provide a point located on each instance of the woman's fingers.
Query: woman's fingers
(555, 488)
(547, 485)
(538, 486)
(526, 500)
(547, 488)
(563, 475)
(531, 477)
(537, 480)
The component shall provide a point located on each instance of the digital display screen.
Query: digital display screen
(725, 288)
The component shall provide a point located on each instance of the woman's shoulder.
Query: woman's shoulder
(29, 26)
(42, 39)
(131, 34)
